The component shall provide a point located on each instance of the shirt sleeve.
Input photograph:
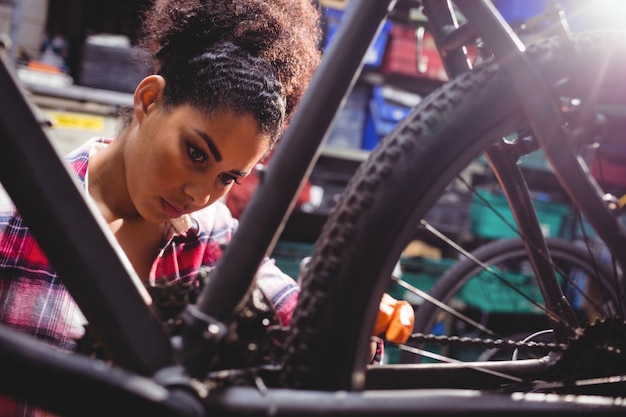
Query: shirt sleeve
(279, 288)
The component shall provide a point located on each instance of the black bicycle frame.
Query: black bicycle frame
(101, 280)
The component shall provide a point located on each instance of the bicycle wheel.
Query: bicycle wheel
(498, 296)
(382, 206)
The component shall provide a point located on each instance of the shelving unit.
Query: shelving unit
(453, 213)
(78, 113)
(379, 99)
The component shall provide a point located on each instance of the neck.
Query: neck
(107, 184)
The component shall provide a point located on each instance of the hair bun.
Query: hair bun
(285, 33)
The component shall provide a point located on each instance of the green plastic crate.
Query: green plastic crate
(288, 255)
(554, 218)
(488, 293)
(421, 273)
(535, 160)
(392, 354)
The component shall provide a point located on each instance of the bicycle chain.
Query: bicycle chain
(487, 343)
(171, 298)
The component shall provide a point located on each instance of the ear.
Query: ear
(147, 94)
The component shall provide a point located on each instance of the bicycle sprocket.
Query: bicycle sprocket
(599, 351)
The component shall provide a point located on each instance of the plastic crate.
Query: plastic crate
(374, 55)
(583, 230)
(287, 255)
(488, 293)
(348, 126)
(421, 273)
(412, 52)
(332, 18)
(451, 213)
(609, 165)
(117, 68)
(554, 218)
(535, 160)
(517, 11)
(392, 354)
(382, 117)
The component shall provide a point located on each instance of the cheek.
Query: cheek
(219, 191)
(149, 175)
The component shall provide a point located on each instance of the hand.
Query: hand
(395, 319)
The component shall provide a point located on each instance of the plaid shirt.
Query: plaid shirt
(33, 299)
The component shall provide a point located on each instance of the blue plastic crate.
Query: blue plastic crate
(333, 19)
(382, 117)
(374, 55)
(517, 11)
(348, 126)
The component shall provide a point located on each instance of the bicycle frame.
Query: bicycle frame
(101, 281)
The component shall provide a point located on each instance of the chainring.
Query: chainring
(598, 351)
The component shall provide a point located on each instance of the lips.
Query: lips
(171, 211)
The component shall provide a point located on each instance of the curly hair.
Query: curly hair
(253, 56)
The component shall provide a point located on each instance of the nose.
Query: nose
(199, 193)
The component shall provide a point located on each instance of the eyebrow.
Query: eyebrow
(216, 153)
(209, 142)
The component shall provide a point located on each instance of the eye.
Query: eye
(196, 154)
(228, 179)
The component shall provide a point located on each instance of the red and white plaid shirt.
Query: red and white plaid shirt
(34, 300)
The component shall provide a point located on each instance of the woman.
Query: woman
(228, 75)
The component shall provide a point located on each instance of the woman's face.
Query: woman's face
(181, 160)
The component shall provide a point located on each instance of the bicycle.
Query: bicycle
(174, 376)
